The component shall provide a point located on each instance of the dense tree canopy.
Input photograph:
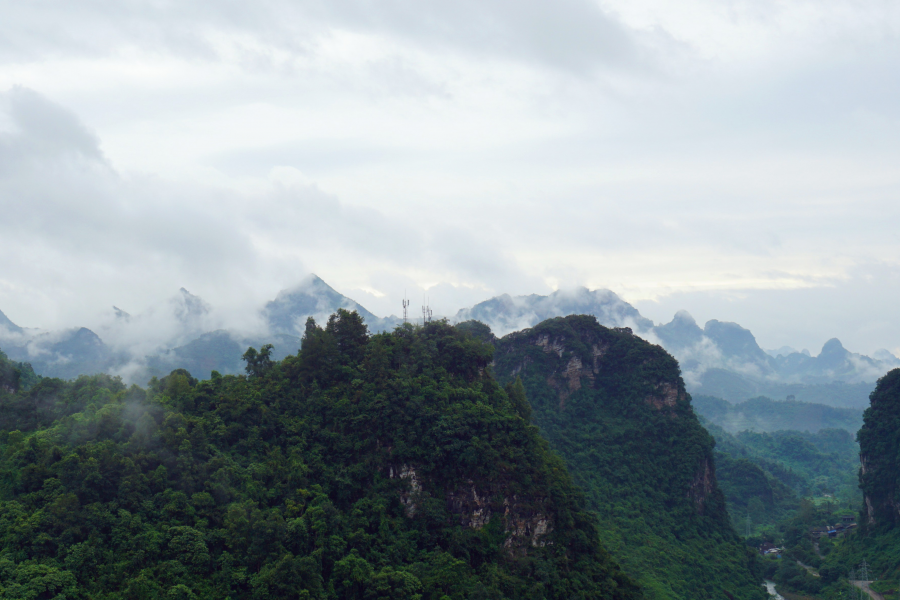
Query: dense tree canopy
(615, 407)
(390, 466)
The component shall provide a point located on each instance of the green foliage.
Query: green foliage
(879, 441)
(794, 577)
(826, 461)
(878, 539)
(258, 363)
(772, 471)
(390, 466)
(15, 376)
(615, 408)
(765, 414)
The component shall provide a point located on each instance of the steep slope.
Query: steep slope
(739, 347)
(615, 407)
(312, 297)
(391, 466)
(879, 446)
(878, 539)
(7, 326)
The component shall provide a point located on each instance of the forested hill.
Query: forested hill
(614, 406)
(15, 376)
(878, 539)
(390, 466)
(879, 444)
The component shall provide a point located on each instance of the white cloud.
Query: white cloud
(694, 152)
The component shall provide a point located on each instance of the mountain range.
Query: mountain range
(720, 359)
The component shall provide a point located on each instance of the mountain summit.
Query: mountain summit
(312, 297)
(505, 314)
(616, 409)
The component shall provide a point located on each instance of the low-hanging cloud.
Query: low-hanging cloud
(467, 149)
(72, 220)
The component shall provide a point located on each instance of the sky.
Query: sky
(736, 159)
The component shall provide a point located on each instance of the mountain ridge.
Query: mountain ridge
(721, 359)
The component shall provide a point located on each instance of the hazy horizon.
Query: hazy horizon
(735, 160)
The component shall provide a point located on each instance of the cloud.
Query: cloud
(711, 152)
(569, 34)
(73, 222)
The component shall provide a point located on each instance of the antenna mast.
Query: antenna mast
(426, 313)
(405, 307)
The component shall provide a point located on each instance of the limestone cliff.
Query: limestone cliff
(879, 446)
(615, 407)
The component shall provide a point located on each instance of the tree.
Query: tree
(351, 334)
(258, 363)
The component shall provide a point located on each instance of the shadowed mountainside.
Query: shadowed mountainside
(615, 407)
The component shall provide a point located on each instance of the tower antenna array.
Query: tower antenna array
(426, 313)
(405, 307)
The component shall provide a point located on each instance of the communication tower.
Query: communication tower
(405, 307)
(426, 313)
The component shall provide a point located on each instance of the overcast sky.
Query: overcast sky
(738, 159)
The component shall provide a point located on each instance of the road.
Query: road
(770, 587)
(809, 569)
(864, 586)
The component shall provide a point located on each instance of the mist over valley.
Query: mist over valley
(722, 359)
(607, 307)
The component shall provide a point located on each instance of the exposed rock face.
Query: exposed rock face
(666, 396)
(703, 484)
(526, 521)
(615, 407)
(408, 497)
(575, 369)
(586, 355)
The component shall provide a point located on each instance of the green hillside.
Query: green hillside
(764, 414)
(390, 466)
(764, 475)
(878, 539)
(615, 407)
(15, 376)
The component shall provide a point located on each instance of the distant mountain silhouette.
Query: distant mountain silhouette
(8, 325)
(720, 359)
(65, 354)
(312, 297)
(506, 313)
